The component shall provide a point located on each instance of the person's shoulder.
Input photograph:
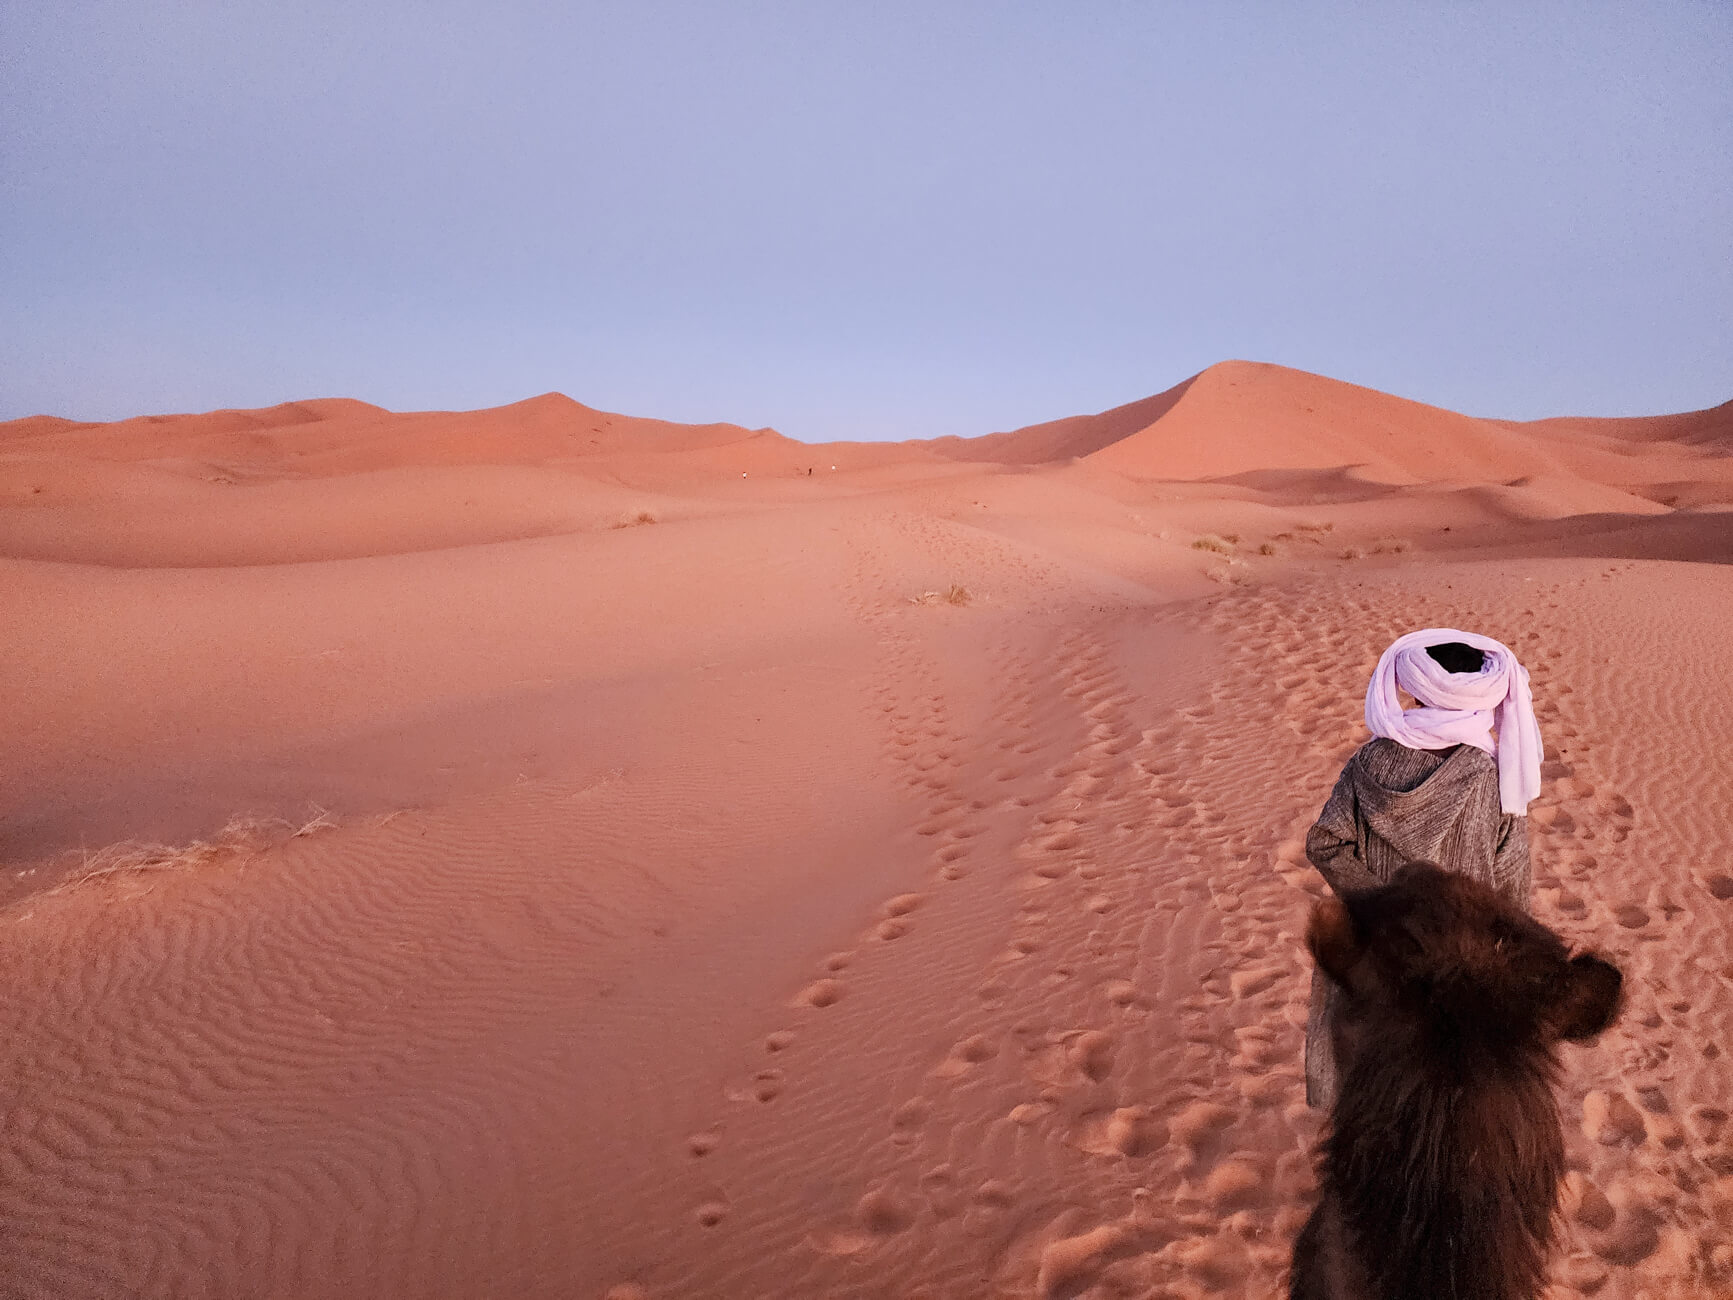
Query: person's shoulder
(1396, 766)
(1381, 752)
(1472, 758)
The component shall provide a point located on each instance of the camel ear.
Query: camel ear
(1590, 999)
(1330, 935)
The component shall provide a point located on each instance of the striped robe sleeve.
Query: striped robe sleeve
(1333, 843)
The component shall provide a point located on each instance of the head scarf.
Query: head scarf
(1461, 708)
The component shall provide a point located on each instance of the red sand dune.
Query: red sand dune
(733, 867)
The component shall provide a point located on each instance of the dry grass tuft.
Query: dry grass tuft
(1228, 575)
(955, 594)
(1391, 546)
(321, 820)
(642, 517)
(1267, 548)
(1328, 526)
(1354, 553)
(1212, 542)
(240, 841)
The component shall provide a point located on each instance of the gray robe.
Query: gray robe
(1393, 805)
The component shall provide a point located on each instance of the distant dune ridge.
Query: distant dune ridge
(1237, 421)
(548, 852)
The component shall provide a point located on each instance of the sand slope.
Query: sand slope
(878, 881)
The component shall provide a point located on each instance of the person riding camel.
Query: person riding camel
(1434, 784)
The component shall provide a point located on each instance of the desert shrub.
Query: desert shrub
(1228, 576)
(241, 840)
(955, 594)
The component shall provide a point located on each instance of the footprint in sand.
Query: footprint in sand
(907, 1121)
(994, 1195)
(1198, 1129)
(765, 1086)
(821, 993)
(943, 1193)
(1708, 1122)
(967, 1054)
(1236, 1184)
(1611, 1120)
(879, 1214)
(1060, 975)
(711, 1213)
(1030, 1113)
(884, 1213)
(1091, 1052)
(1246, 983)
(702, 1144)
(1128, 1131)
(1072, 1262)
(1618, 1225)
(1122, 993)
(1630, 916)
(1257, 1049)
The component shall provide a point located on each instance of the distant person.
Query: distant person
(1433, 785)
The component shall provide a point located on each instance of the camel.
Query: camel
(1439, 1171)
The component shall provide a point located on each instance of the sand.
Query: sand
(602, 858)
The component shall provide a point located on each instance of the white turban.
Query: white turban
(1463, 707)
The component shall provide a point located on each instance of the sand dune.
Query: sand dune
(1711, 429)
(727, 875)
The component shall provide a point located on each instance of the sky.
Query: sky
(880, 220)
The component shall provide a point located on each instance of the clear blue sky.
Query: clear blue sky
(861, 220)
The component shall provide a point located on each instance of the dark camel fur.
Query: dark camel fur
(1439, 1173)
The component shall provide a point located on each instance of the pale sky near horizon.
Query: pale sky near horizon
(874, 220)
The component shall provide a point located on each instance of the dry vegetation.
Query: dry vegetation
(1213, 542)
(1306, 532)
(632, 521)
(241, 840)
(955, 594)
(1228, 575)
